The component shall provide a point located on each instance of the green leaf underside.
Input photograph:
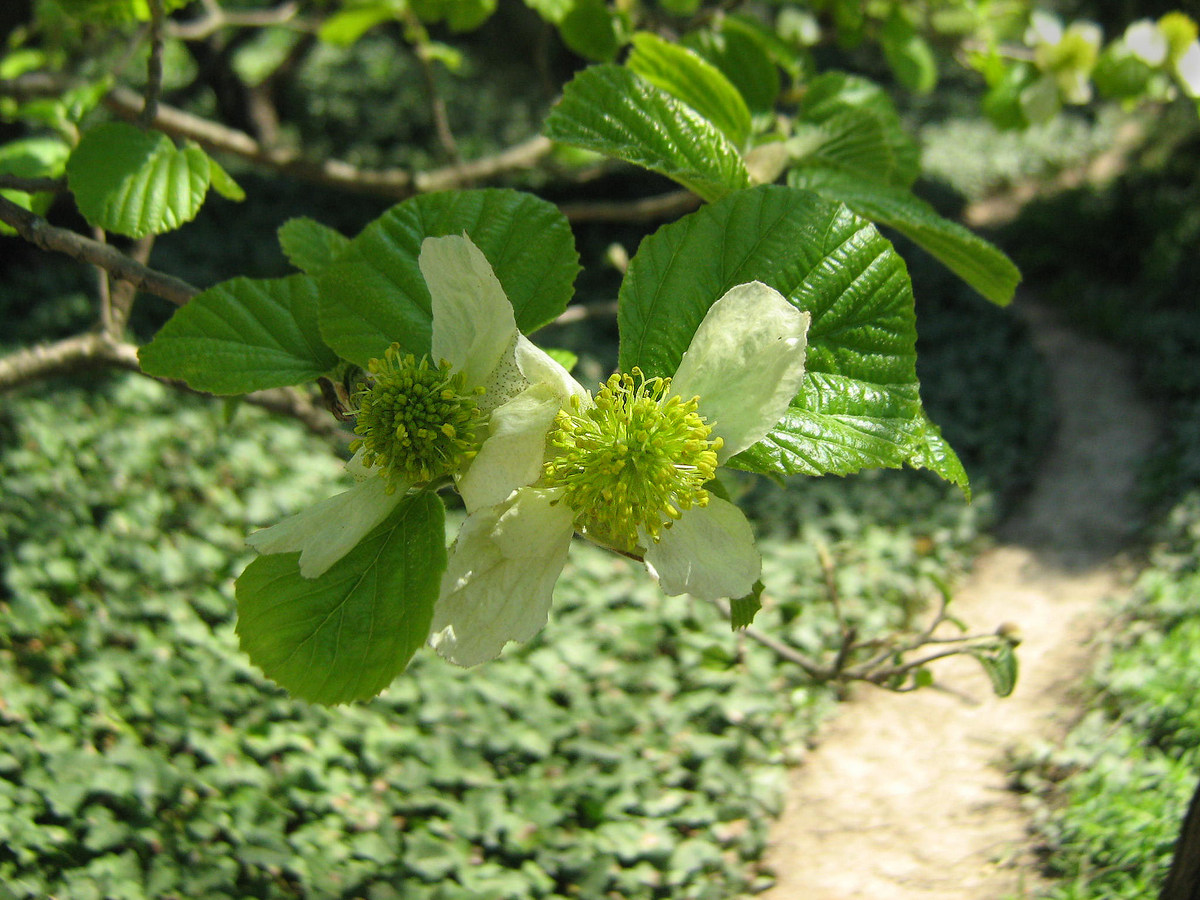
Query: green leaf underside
(614, 111)
(309, 245)
(135, 182)
(373, 293)
(860, 405)
(696, 82)
(345, 635)
(243, 335)
(977, 262)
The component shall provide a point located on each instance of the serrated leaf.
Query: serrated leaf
(974, 260)
(243, 335)
(699, 84)
(860, 406)
(836, 93)
(933, 452)
(309, 245)
(743, 610)
(1000, 664)
(136, 182)
(345, 635)
(741, 49)
(852, 140)
(614, 111)
(373, 294)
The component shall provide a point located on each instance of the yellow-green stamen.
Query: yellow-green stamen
(632, 462)
(418, 420)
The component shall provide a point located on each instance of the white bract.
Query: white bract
(477, 409)
(627, 468)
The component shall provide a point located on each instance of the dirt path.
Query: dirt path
(904, 798)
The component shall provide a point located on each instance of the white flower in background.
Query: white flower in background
(627, 468)
(476, 409)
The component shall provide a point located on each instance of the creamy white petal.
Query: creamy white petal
(473, 322)
(539, 367)
(514, 449)
(708, 553)
(328, 531)
(1188, 69)
(746, 363)
(500, 577)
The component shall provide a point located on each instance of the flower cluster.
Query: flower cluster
(537, 458)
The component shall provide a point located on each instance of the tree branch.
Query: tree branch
(83, 351)
(647, 209)
(215, 18)
(398, 184)
(41, 233)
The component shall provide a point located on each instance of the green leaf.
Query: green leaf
(614, 111)
(34, 157)
(345, 635)
(243, 335)
(836, 93)
(700, 85)
(934, 453)
(853, 140)
(974, 260)
(1000, 664)
(742, 49)
(592, 30)
(908, 54)
(743, 610)
(460, 15)
(223, 183)
(347, 25)
(136, 182)
(309, 245)
(553, 11)
(373, 294)
(860, 405)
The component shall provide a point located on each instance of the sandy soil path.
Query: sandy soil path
(904, 797)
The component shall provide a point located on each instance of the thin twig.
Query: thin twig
(33, 185)
(215, 18)
(154, 66)
(647, 209)
(41, 233)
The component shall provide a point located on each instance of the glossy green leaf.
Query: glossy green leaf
(853, 140)
(136, 182)
(860, 406)
(309, 245)
(614, 111)
(373, 293)
(834, 94)
(974, 260)
(345, 635)
(243, 335)
(933, 452)
(699, 84)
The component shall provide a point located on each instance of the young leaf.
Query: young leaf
(593, 30)
(309, 245)
(614, 111)
(373, 293)
(690, 78)
(243, 335)
(136, 182)
(860, 406)
(345, 635)
(1000, 664)
(974, 260)
(223, 183)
